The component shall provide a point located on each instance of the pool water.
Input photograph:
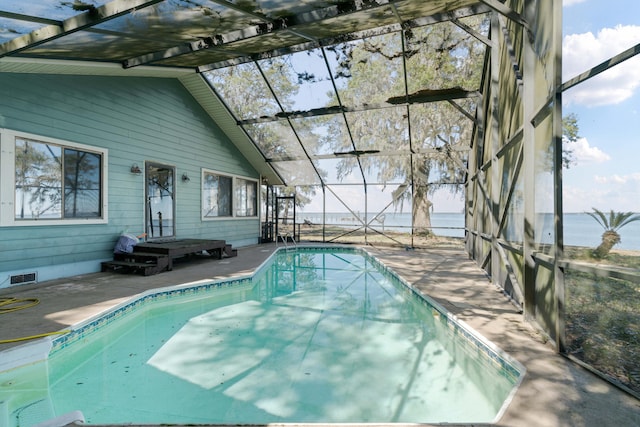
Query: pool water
(316, 335)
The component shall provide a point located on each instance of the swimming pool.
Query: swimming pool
(316, 335)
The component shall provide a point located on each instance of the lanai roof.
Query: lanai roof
(291, 138)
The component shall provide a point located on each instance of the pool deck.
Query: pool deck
(555, 391)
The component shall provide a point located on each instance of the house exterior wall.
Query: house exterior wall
(136, 120)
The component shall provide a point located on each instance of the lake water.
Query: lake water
(579, 228)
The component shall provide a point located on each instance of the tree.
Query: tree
(570, 133)
(38, 179)
(611, 224)
(436, 56)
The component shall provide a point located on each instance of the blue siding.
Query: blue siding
(136, 119)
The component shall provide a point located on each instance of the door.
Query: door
(286, 218)
(160, 197)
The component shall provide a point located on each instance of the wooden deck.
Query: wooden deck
(150, 258)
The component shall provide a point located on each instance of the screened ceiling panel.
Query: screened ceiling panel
(429, 70)
(187, 21)
(477, 23)
(340, 170)
(268, 41)
(384, 129)
(439, 125)
(98, 46)
(409, 9)
(298, 171)
(232, 83)
(322, 134)
(257, 27)
(50, 9)
(10, 28)
(372, 70)
(386, 170)
(195, 59)
(275, 9)
(348, 196)
(276, 140)
(308, 71)
(350, 22)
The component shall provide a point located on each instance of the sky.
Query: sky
(607, 170)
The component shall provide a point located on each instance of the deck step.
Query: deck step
(145, 263)
(146, 269)
(229, 251)
(139, 256)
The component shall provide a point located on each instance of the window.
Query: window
(246, 197)
(54, 182)
(216, 195)
(51, 180)
(225, 196)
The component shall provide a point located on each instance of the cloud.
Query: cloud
(605, 193)
(567, 3)
(618, 179)
(583, 153)
(581, 52)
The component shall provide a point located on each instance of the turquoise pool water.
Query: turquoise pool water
(317, 335)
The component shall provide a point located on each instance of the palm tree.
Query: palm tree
(611, 224)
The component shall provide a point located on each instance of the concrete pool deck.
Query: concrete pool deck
(555, 391)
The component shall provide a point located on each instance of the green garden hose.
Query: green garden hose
(8, 305)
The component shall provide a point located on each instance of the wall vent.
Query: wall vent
(24, 278)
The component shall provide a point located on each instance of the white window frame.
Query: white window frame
(234, 201)
(8, 180)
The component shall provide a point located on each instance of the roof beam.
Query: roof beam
(75, 23)
(28, 18)
(433, 95)
(387, 153)
(232, 6)
(480, 37)
(506, 11)
(603, 66)
(420, 97)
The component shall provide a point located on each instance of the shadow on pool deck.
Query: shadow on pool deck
(555, 391)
